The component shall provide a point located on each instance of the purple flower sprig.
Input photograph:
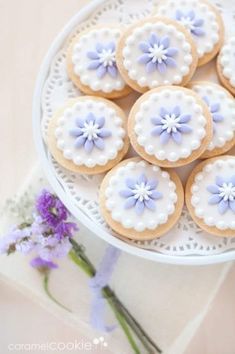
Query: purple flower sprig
(42, 264)
(51, 209)
(48, 236)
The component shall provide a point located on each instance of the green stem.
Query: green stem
(122, 321)
(81, 263)
(90, 272)
(132, 320)
(46, 288)
(136, 328)
(121, 312)
(109, 294)
(80, 252)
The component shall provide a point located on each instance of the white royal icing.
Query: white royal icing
(112, 144)
(87, 42)
(224, 130)
(150, 219)
(150, 108)
(209, 213)
(137, 71)
(205, 43)
(227, 61)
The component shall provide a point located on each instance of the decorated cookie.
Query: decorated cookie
(88, 135)
(170, 126)
(156, 52)
(210, 195)
(139, 200)
(91, 63)
(222, 107)
(226, 64)
(203, 22)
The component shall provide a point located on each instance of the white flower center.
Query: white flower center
(157, 53)
(90, 130)
(187, 22)
(170, 123)
(142, 192)
(227, 191)
(107, 57)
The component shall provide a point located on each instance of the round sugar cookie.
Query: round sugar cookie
(91, 62)
(222, 107)
(203, 22)
(154, 52)
(210, 195)
(226, 64)
(170, 126)
(88, 135)
(141, 201)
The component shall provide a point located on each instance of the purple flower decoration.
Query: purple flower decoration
(157, 54)
(223, 193)
(90, 132)
(171, 124)
(214, 109)
(103, 60)
(140, 194)
(190, 21)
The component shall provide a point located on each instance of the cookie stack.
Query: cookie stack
(174, 121)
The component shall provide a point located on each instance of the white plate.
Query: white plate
(185, 243)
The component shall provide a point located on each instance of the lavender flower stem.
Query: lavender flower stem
(47, 291)
(89, 270)
(123, 323)
(135, 326)
(81, 263)
(80, 252)
(78, 256)
(132, 321)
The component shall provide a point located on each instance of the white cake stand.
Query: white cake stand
(185, 243)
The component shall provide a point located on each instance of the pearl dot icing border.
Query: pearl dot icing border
(96, 157)
(226, 57)
(153, 219)
(144, 138)
(165, 29)
(204, 213)
(88, 77)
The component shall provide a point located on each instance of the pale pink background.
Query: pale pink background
(27, 28)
